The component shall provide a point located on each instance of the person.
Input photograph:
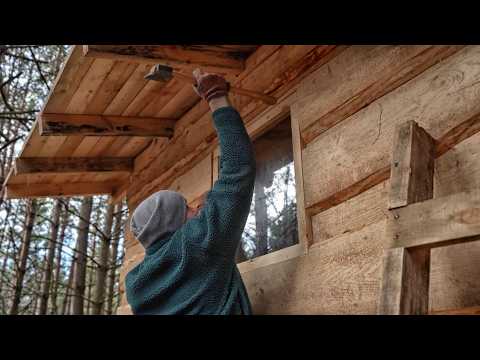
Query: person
(189, 265)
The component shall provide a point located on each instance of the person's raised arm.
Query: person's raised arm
(228, 203)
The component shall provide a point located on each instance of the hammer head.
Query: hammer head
(160, 73)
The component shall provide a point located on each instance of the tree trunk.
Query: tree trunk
(27, 237)
(58, 261)
(105, 238)
(261, 221)
(3, 273)
(113, 259)
(90, 271)
(47, 276)
(66, 309)
(81, 251)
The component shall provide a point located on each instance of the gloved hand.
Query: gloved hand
(210, 86)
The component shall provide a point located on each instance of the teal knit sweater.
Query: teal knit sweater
(194, 270)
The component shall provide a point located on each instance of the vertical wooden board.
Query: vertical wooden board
(352, 215)
(355, 78)
(438, 99)
(341, 276)
(411, 174)
(405, 287)
(304, 220)
(392, 273)
(405, 282)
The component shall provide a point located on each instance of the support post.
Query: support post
(406, 271)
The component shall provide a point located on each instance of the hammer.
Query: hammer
(165, 73)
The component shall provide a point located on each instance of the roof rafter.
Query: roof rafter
(182, 57)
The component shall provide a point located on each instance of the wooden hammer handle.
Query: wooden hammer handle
(270, 100)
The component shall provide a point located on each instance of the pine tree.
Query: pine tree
(24, 251)
(113, 259)
(81, 258)
(105, 238)
(58, 261)
(49, 258)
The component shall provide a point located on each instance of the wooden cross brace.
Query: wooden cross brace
(417, 223)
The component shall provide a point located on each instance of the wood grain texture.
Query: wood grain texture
(357, 77)
(272, 258)
(305, 230)
(411, 174)
(341, 276)
(437, 221)
(184, 57)
(406, 271)
(182, 145)
(405, 282)
(71, 165)
(440, 99)
(201, 109)
(352, 215)
(17, 191)
(454, 268)
(65, 86)
(454, 276)
(104, 125)
(473, 310)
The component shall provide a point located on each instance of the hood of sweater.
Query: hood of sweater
(157, 218)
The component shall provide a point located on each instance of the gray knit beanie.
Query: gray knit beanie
(158, 217)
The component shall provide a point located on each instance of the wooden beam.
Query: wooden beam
(406, 276)
(473, 310)
(436, 222)
(18, 191)
(412, 165)
(72, 165)
(448, 141)
(405, 282)
(103, 125)
(180, 57)
(360, 145)
(276, 76)
(347, 85)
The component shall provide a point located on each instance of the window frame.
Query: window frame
(262, 124)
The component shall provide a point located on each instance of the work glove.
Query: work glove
(210, 86)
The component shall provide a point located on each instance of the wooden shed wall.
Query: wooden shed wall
(345, 114)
